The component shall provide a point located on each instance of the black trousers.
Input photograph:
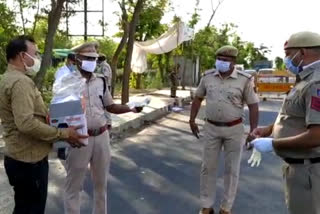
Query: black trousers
(30, 185)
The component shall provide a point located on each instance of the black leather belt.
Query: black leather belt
(302, 161)
(232, 123)
(99, 131)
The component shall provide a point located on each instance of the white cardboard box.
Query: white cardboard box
(64, 115)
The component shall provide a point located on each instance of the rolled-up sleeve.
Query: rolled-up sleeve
(201, 90)
(107, 98)
(23, 100)
(250, 95)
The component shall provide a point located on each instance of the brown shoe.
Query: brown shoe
(224, 212)
(206, 211)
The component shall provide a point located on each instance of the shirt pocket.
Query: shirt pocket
(234, 96)
(212, 92)
(293, 105)
(98, 98)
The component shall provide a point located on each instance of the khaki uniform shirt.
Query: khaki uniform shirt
(95, 109)
(105, 70)
(300, 109)
(225, 98)
(23, 114)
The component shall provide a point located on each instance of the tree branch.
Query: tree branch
(21, 15)
(214, 11)
(36, 18)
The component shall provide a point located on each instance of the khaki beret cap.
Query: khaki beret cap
(87, 49)
(227, 50)
(303, 40)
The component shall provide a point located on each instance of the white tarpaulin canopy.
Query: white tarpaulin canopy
(165, 43)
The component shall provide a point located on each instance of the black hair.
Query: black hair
(101, 58)
(17, 46)
(72, 56)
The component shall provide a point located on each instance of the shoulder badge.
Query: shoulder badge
(249, 76)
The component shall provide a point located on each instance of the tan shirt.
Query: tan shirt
(225, 98)
(300, 109)
(106, 71)
(23, 114)
(94, 106)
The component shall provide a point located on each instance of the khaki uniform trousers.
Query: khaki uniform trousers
(97, 153)
(302, 189)
(232, 140)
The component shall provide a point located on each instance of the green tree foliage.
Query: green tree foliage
(279, 63)
(107, 46)
(208, 40)
(7, 31)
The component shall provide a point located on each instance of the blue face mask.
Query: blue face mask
(291, 67)
(222, 66)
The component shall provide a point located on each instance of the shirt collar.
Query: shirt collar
(13, 68)
(309, 69)
(93, 77)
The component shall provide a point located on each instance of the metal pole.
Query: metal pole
(67, 20)
(85, 20)
(103, 18)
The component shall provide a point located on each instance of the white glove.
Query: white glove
(255, 158)
(263, 144)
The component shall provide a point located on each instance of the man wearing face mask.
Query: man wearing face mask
(226, 91)
(97, 152)
(28, 138)
(68, 68)
(296, 131)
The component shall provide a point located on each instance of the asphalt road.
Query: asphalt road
(156, 171)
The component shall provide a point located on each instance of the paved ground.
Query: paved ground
(155, 171)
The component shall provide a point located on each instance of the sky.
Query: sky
(267, 22)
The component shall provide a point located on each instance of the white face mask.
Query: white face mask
(32, 70)
(88, 66)
(222, 66)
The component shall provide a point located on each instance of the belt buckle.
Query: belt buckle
(95, 132)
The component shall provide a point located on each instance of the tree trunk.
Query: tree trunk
(127, 65)
(53, 22)
(22, 17)
(214, 11)
(114, 62)
(167, 62)
(161, 68)
(138, 83)
(183, 78)
(36, 17)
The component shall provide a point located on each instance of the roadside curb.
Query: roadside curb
(150, 115)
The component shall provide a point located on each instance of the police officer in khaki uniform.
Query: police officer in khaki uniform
(104, 69)
(296, 131)
(97, 152)
(226, 90)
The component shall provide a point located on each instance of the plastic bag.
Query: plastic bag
(68, 88)
(139, 103)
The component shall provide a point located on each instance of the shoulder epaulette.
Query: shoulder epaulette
(249, 76)
(208, 72)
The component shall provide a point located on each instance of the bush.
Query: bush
(154, 81)
(48, 83)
